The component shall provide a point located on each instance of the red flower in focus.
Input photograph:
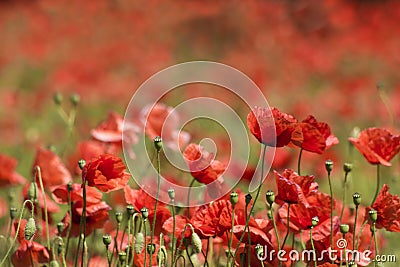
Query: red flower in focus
(27, 249)
(317, 136)
(155, 124)
(60, 194)
(106, 173)
(377, 145)
(213, 219)
(273, 127)
(201, 164)
(8, 175)
(293, 188)
(53, 171)
(388, 209)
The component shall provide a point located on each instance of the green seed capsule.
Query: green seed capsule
(106, 240)
(234, 198)
(329, 165)
(13, 213)
(118, 217)
(54, 263)
(373, 215)
(75, 99)
(356, 199)
(158, 143)
(145, 213)
(151, 248)
(347, 167)
(344, 228)
(81, 163)
(57, 98)
(270, 197)
(171, 193)
(314, 221)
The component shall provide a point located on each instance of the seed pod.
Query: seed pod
(30, 229)
(356, 199)
(171, 193)
(158, 143)
(58, 98)
(270, 196)
(60, 227)
(130, 209)
(75, 99)
(344, 228)
(122, 257)
(259, 250)
(151, 248)
(347, 167)
(118, 217)
(234, 198)
(139, 242)
(13, 213)
(81, 164)
(106, 240)
(314, 221)
(196, 242)
(145, 213)
(248, 199)
(373, 215)
(54, 263)
(329, 166)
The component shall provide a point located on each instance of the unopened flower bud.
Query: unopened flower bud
(314, 221)
(54, 263)
(81, 164)
(130, 209)
(329, 166)
(60, 227)
(196, 243)
(344, 228)
(158, 143)
(347, 167)
(248, 199)
(373, 215)
(30, 229)
(234, 198)
(13, 213)
(171, 193)
(151, 248)
(356, 199)
(145, 213)
(58, 98)
(139, 242)
(75, 99)
(32, 191)
(270, 196)
(118, 217)
(106, 240)
(162, 255)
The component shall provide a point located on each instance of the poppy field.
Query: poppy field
(199, 133)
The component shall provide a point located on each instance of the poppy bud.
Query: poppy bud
(373, 215)
(69, 186)
(13, 213)
(171, 193)
(75, 99)
(314, 221)
(162, 255)
(106, 240)
(145, 213)
(259, 250)
(158, 143)
(130, 209)
(122, 257)
(248, 199)
(270, 196)
(356, 199)
(151, 248)
(118, 217)
(139, 242)
(54, 263)
(234, 198)
(32, 191)
(352, 264)
(57, 98)
(196, 242)
(81, 164)
(344, 228)
(329, 166)
(30, 229)
(347, 167)
(60, 227)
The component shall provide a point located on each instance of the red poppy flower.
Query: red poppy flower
(377, 145)
(317, 136)
(201, 164)
(52, 207)
(109, 131)
(139, 199)
(213, 219)
(293, 188)
(8, 175)
(106, 173)
(27, 249)
(53, 171)
(154, 121)
(60, 194)
(273, 127)
(388, 209)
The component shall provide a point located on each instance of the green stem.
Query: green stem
(375, 242)
(46, 216)
(84, 251)
(313, 248)
(331, 194)
(299, 161)
(173, 231)
(206, 254)
(145, 241)
(18, 226)
(355, 228)
(188, 196)
(275, 230)
(378, 178)
(344, 195)
(288, 229)
(155, 205)
(115, 242)
(70, 222)
(129, 236)
(255, 200)
(231, 236)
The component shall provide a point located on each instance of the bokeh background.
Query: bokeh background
(324, 58)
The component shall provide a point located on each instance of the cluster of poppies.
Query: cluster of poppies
(236, 229)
